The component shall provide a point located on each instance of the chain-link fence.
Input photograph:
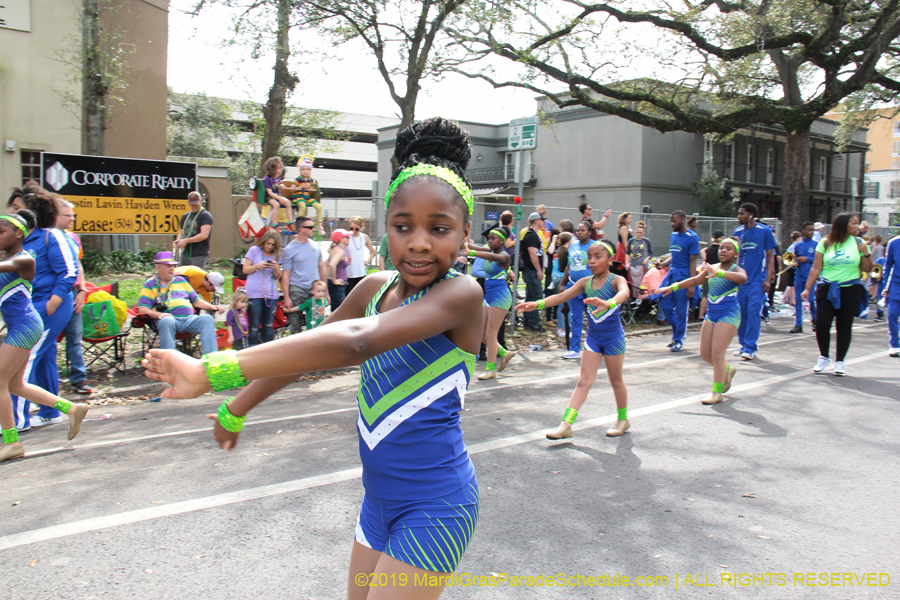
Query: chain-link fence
(657, 227)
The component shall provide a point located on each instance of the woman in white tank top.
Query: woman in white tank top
(357, 249)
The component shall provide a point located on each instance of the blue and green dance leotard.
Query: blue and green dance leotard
(605, 334)
(722, 301)
(421, 496)
(24, 325)
(496, 291)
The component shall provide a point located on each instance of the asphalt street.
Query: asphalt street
(789, 488)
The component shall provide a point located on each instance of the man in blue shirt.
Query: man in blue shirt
(891, 277)
(757, 258)
(684, 247)
(805, 253)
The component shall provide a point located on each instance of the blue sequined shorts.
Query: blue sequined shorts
(25, 334)
(430, 534)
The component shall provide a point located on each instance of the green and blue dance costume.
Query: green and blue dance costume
(722, 302)
(605, 334)
(24, 325)
(496, 291)
(421, 496)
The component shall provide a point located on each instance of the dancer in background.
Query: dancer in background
(723, 315)
(497, 298)
(25, 329)
(605, 338)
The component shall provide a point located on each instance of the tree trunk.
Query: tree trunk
(795, 186)
(93, 87)
(284, 83)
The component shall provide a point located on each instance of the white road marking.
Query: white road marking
(177, 508)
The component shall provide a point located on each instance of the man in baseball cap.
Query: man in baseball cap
(204, 283)
(196, 227)
(817, 231)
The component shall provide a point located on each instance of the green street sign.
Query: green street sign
(523, 133)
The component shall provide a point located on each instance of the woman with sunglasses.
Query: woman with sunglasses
(356, 250)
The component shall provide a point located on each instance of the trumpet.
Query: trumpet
(877, 271)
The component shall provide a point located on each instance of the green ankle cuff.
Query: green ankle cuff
(501, 352)
(623, 413)
(570, 415)
(10, 436)
(490, 367)
(718, 387)
(62, 405)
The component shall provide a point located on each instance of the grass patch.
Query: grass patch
(130, 285)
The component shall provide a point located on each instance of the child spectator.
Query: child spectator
(272, 183)
(314, 306)
(236, 320)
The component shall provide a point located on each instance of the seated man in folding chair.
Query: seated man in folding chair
(170, 301)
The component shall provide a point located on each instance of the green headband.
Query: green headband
(606, 245)
(737, 246)
(15, 222)
(498, 233)
(435, 171)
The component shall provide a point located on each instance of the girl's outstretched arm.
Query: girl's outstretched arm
(485, 253)
(556, 299)
(683, 285)
(338, 343)
(737, 275)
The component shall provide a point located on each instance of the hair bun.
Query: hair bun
(434, 141)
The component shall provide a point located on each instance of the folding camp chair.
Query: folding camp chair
(187, 343)
(108, 350)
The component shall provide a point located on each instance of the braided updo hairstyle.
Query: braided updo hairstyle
(434, 141)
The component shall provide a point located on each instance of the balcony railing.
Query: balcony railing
(764, 175)
(498, 174)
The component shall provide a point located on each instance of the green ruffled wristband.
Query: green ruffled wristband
(675, 287)
(227, 420)
(721, 274)
(540, 304)
(570, 415)
(223, 370)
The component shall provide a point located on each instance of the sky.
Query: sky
(346, 82)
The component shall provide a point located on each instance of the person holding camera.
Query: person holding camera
(170, 301)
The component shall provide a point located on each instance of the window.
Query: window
(707, 157)
(770, 166)
(823, 171)
(872, 189)
(895, 165)
(895, 189)
(751, 156)
(31, 166)
(896, 150)
(728, 160)
(896, 128)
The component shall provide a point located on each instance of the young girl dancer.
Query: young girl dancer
(723, 313)
(605, 337)
(497, 298)
(421, 497)
(24, 329)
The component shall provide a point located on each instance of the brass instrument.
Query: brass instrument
(877, 270)
(789, 261)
